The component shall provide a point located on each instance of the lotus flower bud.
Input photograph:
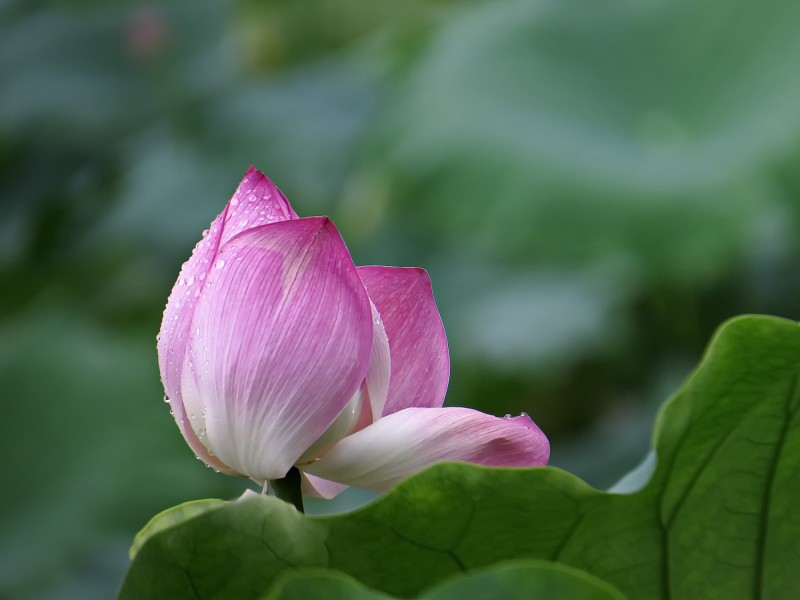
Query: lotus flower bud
(277, 351)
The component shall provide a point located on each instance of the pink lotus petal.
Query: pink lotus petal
(417, 342)
(257, 202)
(407, 441)
(193, 421)
(173, 338)
(344, 424)
(317, 487)
(280, 343)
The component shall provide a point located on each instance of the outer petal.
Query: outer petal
(281, 341)
(407, 441)
(173, 337)
(258, 202)
(417, 342)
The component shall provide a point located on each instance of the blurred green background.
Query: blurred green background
(593, 186)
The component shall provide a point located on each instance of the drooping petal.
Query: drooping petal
(280, 343)
(407, 441)
(317, 487)
(417, 343)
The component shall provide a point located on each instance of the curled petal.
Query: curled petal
(379, 372)
(407, 441)
(280, 343)
(417, 342)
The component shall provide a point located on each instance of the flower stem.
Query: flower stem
(288, 488)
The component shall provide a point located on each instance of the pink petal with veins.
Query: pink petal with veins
(418, 347)
(280, 343)
(405, 442)
(256, 201)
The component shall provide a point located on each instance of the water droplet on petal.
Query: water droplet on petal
(507, 417)
(219, 264)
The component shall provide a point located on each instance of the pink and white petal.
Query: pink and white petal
(173, 338)
(193, 422)
(281, 341)
(317, 487)
(410, 440)
(417, 342)
(256, 202)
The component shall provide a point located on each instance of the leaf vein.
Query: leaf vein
(790, 411)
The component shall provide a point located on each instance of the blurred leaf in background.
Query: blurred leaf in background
(593, 187)
(598, 186)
